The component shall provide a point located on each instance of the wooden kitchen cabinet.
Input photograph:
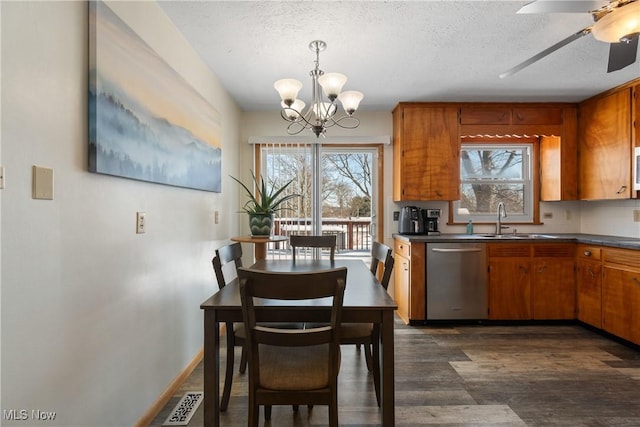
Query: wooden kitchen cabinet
(426, 145)
(559, 160)
(531, 281)
(509, 281)
(409, 280)
(589, 285)
(426, 152)
(621, 293)
(504, 114)
(555, 125)
(604, 132)
(553, 285)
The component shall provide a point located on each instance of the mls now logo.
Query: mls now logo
(23, 414)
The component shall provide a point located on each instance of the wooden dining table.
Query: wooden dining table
(365, 300)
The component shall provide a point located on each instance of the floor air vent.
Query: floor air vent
(184, 410)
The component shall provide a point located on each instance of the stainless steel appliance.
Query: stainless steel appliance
(431, 221)
(411, 220)
(456, 281)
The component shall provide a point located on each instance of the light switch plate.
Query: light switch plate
(42, 183)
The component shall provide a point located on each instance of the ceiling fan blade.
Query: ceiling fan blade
(622, 54)
(562, 6)
(546, 52)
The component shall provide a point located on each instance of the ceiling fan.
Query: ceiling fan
(616, 22)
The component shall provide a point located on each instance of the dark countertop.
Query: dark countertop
(592, 239)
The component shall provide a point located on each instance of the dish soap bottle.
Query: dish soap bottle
(470, 227)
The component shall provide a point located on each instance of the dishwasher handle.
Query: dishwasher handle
(456, 250)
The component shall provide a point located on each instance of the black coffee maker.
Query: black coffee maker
(431, 220)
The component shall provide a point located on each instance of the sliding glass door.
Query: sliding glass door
(338, 193)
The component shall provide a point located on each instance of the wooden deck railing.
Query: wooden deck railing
(352, 234)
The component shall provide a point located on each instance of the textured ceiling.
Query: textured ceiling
(396, 50)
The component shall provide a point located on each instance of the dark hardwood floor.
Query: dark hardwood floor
(474, 376)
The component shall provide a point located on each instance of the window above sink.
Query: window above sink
(491, 173)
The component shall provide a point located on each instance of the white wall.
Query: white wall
(612, 217)
(96, 320)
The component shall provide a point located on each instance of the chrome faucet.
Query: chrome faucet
(502, 213)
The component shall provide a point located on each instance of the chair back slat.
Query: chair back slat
(223, 256)
(290, 286)
(382, 254)
(323, 242)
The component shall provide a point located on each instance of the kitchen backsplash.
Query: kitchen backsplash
(611, 217)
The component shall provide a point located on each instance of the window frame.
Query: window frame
(534, 178)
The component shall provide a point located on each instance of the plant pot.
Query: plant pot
(260, 224)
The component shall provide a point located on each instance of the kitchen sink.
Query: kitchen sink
(518, 236)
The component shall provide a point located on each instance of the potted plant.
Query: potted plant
(264, 205)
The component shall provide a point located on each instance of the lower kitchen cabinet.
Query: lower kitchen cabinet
(553, 289)
(531, 281)
(621, 293)
(589, 285)
(509, 281)
(409, 280)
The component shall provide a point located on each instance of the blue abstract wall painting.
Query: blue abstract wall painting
(145, 121)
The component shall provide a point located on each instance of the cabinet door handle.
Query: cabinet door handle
(593, 275)
(622, 189)
(587, 253)
(406, 266)
(542, 268)
(523, 269)
(635, 279)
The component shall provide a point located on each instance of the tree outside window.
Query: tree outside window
(490, 174)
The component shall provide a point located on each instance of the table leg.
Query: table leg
(387, 388)
(260, 251)
(211, 399)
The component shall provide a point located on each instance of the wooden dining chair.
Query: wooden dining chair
(224, 257)
(367, 334)
(292, 367)
(323, 242)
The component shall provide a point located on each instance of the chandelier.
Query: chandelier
(321, 114)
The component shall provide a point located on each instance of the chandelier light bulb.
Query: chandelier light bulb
(288, 89)
(292, 111)
(332, 84)
(350, 100)
(324, 110)
(623, 22)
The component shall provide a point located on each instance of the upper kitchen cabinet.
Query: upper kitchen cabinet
(605, 129)
(427, 138)
(554, 127)
(559, 160)
(426, 152)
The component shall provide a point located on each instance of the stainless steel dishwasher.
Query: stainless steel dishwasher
(456, 281)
